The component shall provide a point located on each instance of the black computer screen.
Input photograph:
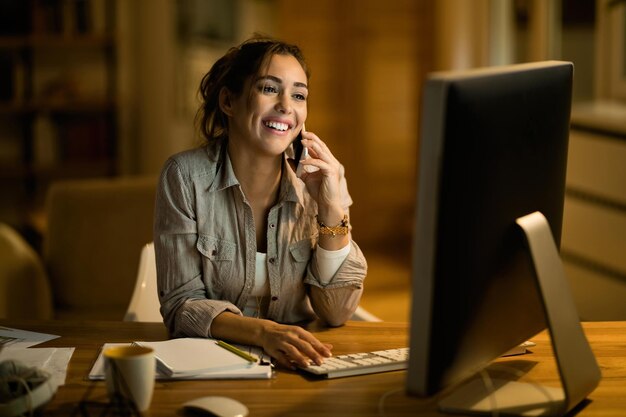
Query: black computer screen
(493, 148)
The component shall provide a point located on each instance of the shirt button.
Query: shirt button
(272, 260)
(274, 298)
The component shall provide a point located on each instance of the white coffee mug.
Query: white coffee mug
(129, 372)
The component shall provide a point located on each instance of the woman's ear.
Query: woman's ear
(225, 102)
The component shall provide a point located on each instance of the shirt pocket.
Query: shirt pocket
(300, 256)
(217, 261)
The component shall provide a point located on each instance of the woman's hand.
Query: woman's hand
(292, 345)
(289, 345)
(322, 182)
(322, 175)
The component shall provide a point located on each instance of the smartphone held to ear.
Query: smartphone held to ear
(300, 153)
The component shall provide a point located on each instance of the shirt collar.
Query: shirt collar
(224, 175)
(291, 187)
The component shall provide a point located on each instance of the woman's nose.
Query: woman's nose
(283, 105)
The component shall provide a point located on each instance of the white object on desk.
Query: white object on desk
(190, 356)
(17, 338)
(52, 360)
(247, 371)
(218, 406)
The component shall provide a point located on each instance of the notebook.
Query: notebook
(193, 358)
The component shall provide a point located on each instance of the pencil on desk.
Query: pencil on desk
(236, 351)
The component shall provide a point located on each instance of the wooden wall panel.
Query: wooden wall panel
(368, 60)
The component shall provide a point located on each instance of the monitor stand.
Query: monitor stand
(578, 369)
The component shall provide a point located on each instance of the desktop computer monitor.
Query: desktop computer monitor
(493, 150)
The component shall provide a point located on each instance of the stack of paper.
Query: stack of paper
(16, 344)
(194, 358)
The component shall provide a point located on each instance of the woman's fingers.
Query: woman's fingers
(317, 148)
(305, 347)
(291, 345)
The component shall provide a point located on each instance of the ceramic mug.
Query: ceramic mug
(129, 373)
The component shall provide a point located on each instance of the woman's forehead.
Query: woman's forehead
(286, 68)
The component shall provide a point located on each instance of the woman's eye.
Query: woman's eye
(299, 97)
(269, 89)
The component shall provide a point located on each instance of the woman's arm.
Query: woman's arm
(289, 345)
(334, 301)
(184, 305)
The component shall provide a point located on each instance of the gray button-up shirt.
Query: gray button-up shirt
(205, 244)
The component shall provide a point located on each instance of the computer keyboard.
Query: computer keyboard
(361, 363)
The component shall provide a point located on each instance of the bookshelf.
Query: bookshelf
(58, 105)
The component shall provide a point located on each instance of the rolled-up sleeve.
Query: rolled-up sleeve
(335, 302)
(185, 308)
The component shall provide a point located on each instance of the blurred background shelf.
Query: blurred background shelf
(58, 98)
(58, 106)
(56, 41)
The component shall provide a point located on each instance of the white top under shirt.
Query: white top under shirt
(328, 262)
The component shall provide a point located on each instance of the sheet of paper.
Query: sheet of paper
(257, 352)
(17, 338)
(190, 356)
(52, 360)
(97, 370)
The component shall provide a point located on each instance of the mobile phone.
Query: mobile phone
(299, 152)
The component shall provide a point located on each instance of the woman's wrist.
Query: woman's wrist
(333, 227)
(239, 329)
(330, 215)
(261, 331)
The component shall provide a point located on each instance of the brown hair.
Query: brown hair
(231, 71)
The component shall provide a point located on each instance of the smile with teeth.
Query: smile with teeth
(277, 125)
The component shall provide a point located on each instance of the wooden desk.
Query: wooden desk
(292, 394)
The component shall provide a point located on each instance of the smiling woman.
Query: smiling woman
(267, 119)
(245, 248)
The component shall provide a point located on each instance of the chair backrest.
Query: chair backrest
(24, 287)
(96, 229)
(144, 305)
(361, 314)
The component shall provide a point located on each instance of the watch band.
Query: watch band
(341, 229)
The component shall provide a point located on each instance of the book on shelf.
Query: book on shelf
(194, 358)
(6, 78)
(14, 18)
(84, 138)
(45, 142)
(69, 17)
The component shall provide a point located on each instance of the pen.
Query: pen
(236, 351)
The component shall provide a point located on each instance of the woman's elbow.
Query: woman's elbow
(336, 320)
(335, 307)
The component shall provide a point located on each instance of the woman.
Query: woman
(244, 247)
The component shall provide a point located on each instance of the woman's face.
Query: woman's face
(269, 113)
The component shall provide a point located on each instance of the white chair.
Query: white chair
(144, 304)
(361, 314)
